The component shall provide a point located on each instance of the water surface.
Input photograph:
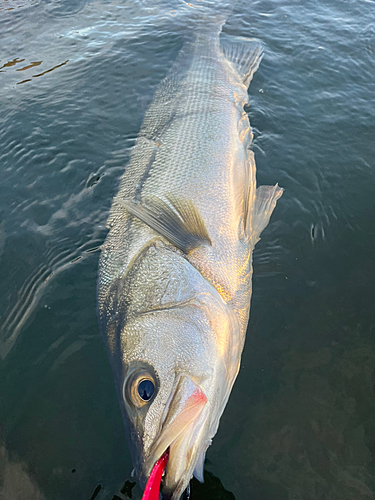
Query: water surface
(76, 78)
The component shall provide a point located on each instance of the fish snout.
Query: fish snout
(181, 433)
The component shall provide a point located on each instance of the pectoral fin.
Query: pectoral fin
(181, 225)
(260, 211)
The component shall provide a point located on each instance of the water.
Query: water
(76, 78)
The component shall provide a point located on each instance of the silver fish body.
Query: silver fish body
(175, 270)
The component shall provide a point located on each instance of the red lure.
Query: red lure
(153, 484)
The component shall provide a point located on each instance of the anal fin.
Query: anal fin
(178, 222)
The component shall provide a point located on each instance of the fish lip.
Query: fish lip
(191, 405)
(166, 494)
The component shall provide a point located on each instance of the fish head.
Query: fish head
(179, 361)
(175, 388)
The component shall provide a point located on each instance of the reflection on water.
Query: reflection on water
(9, 5)
(44, 72)
(12, 63)
(31, 65)
(35, 63)
(300, 421)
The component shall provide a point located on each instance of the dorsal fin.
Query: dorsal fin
(181, 225)
(244, 53)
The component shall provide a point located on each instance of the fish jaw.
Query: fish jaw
(181, 433)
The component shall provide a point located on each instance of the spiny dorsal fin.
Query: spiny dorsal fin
(181, 225)
(244, 53)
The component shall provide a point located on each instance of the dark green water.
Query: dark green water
(76, 78)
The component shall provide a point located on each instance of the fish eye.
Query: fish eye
(146, 389)
(141, 388)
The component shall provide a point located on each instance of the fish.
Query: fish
(175, 270)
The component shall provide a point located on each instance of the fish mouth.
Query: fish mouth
(181, 435)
